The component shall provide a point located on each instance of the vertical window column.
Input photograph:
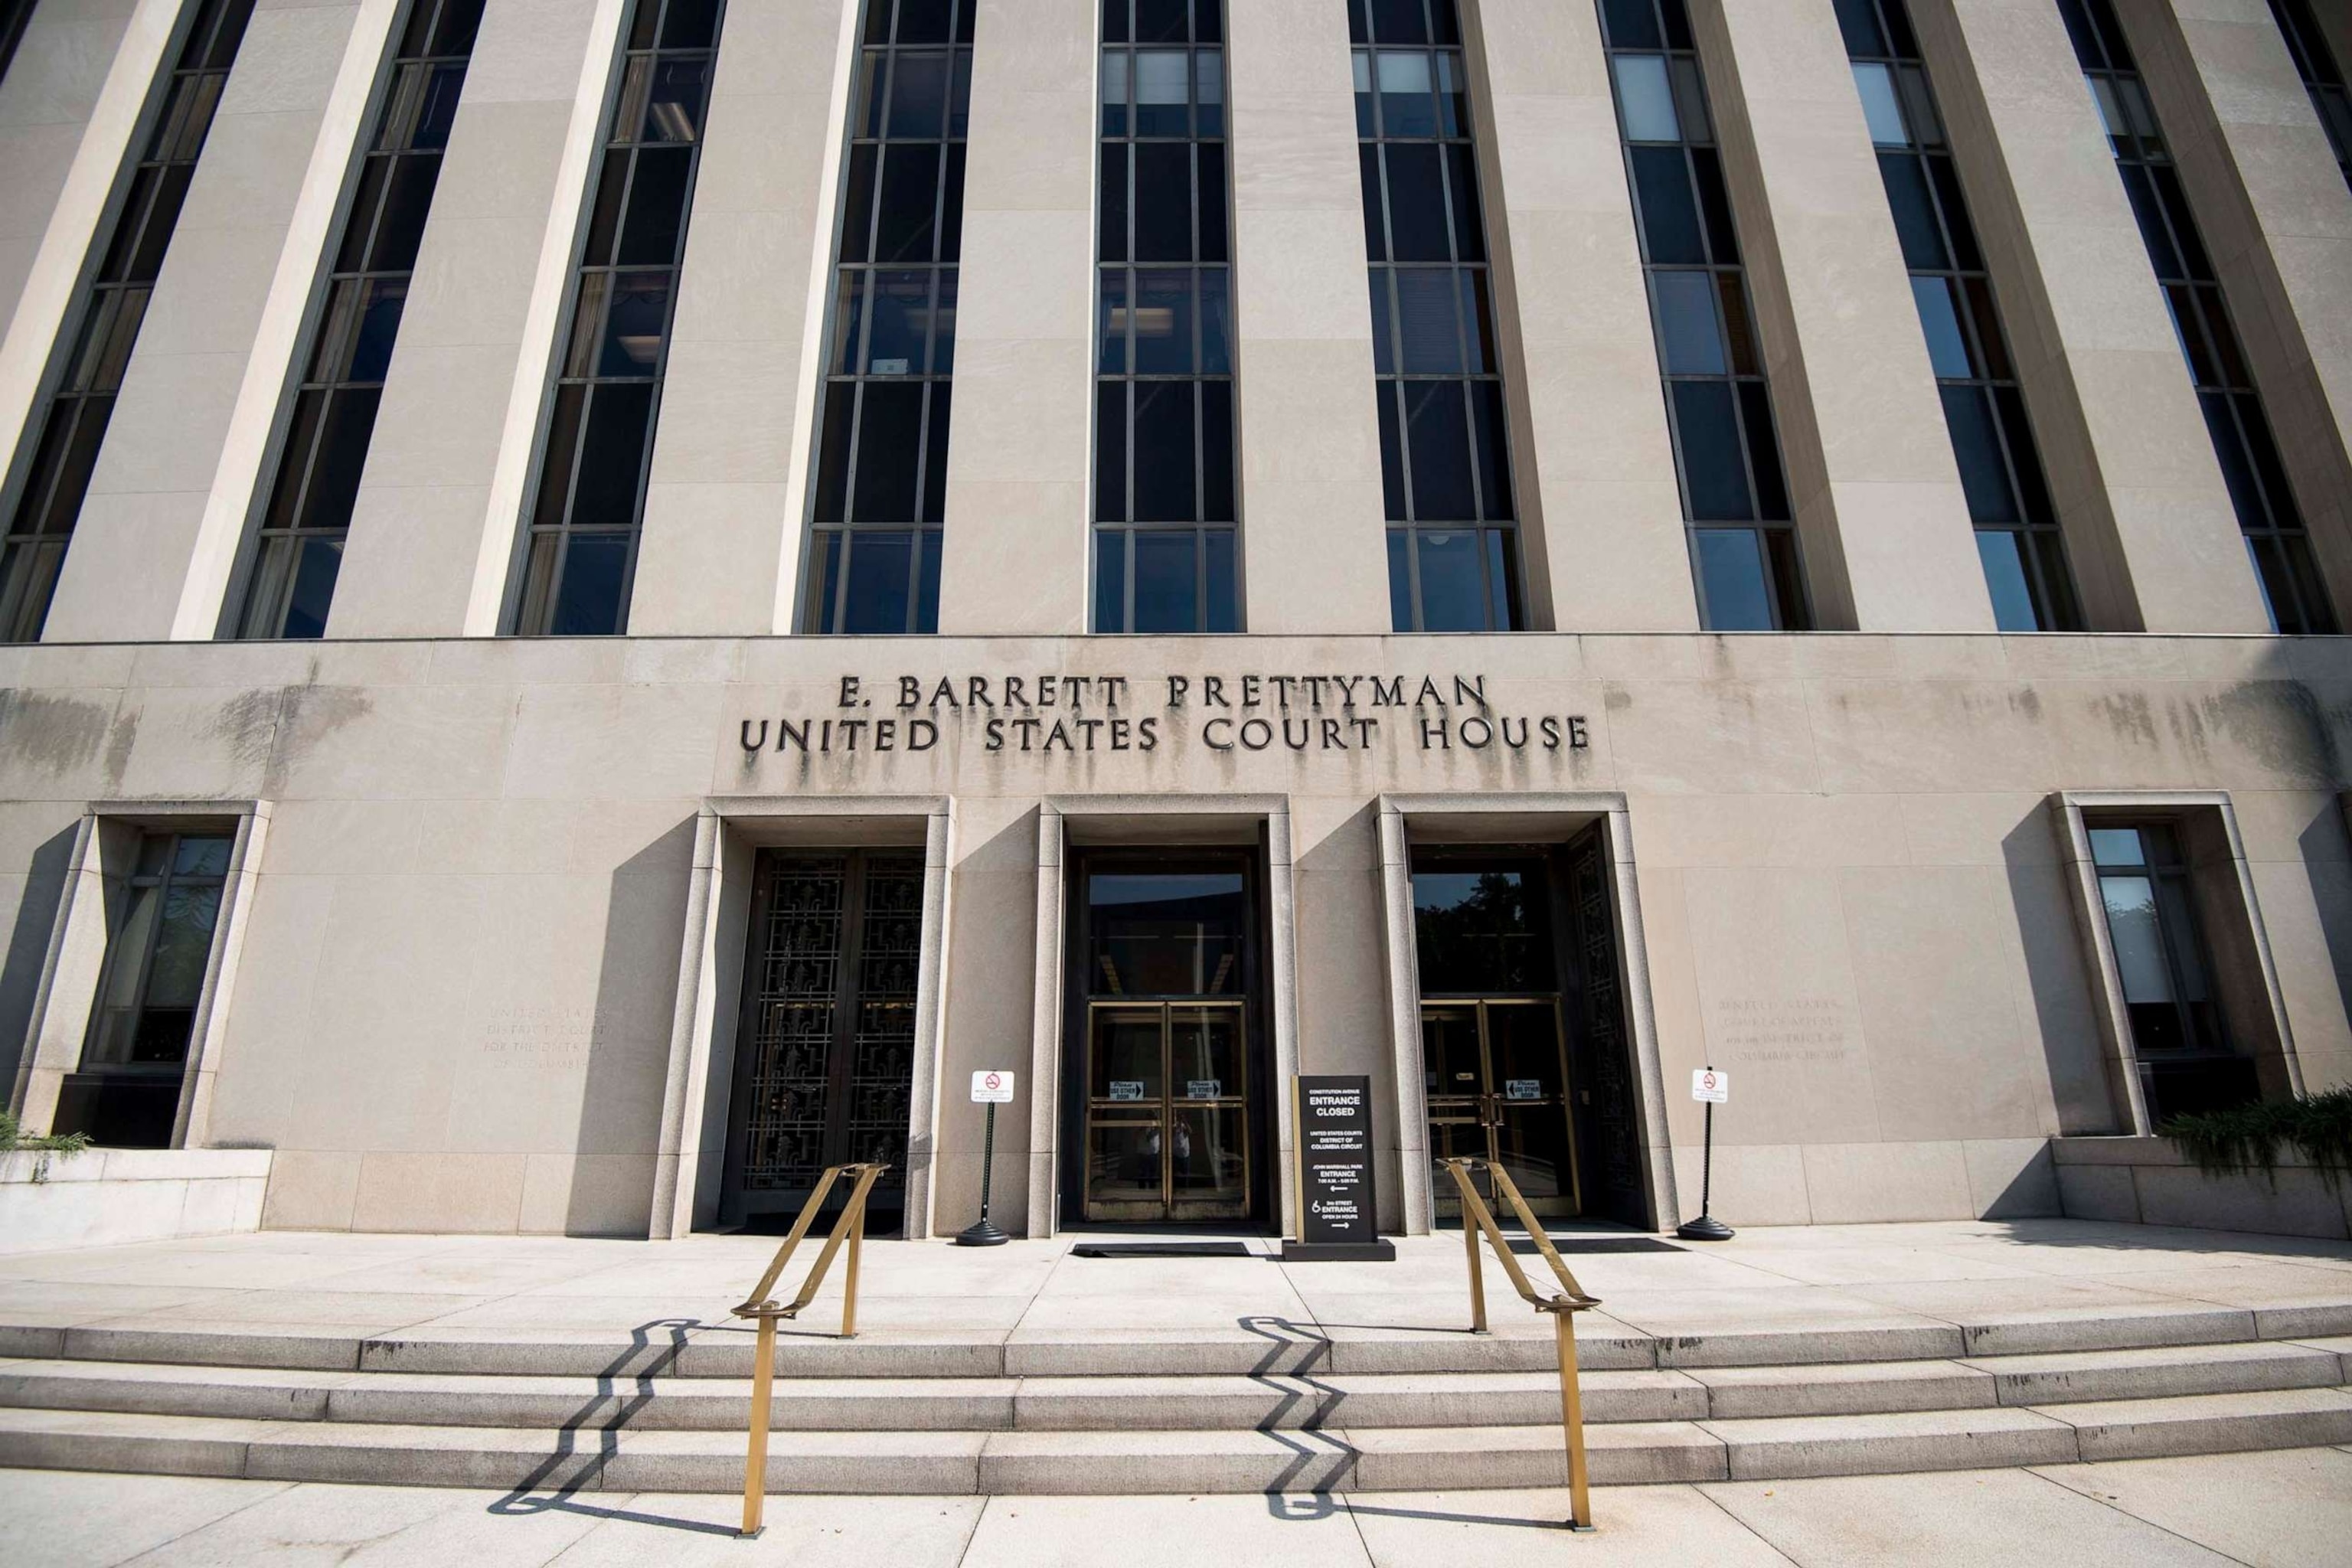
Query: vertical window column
(1446, 462)
(291, 578)
(2276, 540)
(104, 326)
(2000, 470)
(882, 450)
(2323, 77)
(1164, 512)
(597, 436)
(1743, 537)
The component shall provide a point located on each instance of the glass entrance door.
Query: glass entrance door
(1167, 1112)
(1497, 1082)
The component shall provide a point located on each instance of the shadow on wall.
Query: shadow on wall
(2056, 973)
(628, 1043)
(28, 949)
(2327, 860)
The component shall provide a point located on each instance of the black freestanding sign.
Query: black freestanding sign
(1336, 1215)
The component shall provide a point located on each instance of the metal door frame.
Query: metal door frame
(1487, 1101)
(1168, 1099)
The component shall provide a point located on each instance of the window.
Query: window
(596, 439)
(2277, 542)
(105, 324)
(1719, 406)
(1164, 512)
(159, 947)
(292, 575)
(1445, 463)
(2000, 470)
(882, 449)
(2322, 76)
(2166, 969)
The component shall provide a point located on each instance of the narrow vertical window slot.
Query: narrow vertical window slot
(1446, 464)
(1165, 511)
(1743, 536)
(2278, 544)
(297, 551)
(880, 483)
(2322, 73)
(596, 437)
(103, 327)
(2018, 541)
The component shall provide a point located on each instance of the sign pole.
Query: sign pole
(991, 1089)
(1707, 1086)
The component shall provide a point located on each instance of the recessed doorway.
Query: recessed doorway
(1167, 1087)
(1525, 1054)
(825, 1054)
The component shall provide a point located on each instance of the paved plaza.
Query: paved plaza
(1817, 1282)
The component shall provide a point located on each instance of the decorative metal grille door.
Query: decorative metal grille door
(827, 1051)
(1608, 1066)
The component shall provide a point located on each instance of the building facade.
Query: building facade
(605, 599)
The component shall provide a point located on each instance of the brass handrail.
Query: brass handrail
(760, 1307)
(1477, 1219)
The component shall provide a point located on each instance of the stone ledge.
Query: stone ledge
(2151, 1181)
(103, 1197)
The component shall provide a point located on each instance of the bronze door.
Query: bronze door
(1167, 1112)
(1495, 1077)
(825, 1051)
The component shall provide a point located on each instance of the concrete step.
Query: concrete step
(1136, 1403)
(1179, 1461)
(690, 1348)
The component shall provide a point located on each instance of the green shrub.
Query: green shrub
(2248, 1137)
(13, 1137)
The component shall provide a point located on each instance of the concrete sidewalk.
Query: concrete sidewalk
(2290, 1509)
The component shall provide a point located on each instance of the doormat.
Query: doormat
(1160, 1249)
(1565, 1244)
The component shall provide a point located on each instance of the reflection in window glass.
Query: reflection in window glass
(1169, 933)
(882, 443)
(2163, 968)
(1482, 928)
(104, 325)
(1165, 510)
(291, 579)
(1718, 408)
(597, 436)
(2278, 544)
(1446, 470)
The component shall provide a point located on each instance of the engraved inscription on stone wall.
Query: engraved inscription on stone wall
(1780, 1029)
(542, 1037)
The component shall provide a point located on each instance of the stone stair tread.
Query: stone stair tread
(1375, 1459)
(696, 1348)
(2158, 1372)
(2207, 1423)
(1779, 1448)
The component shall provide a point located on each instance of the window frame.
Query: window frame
(1498, 537)
(1778, 546)
(196, 52)
(520, 602)
(2040, 542)
(104, 851)
(829, 546)
(1114, 543)
(240, 606)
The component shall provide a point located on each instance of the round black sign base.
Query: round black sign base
(982, 1234)
(1707, 1228)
